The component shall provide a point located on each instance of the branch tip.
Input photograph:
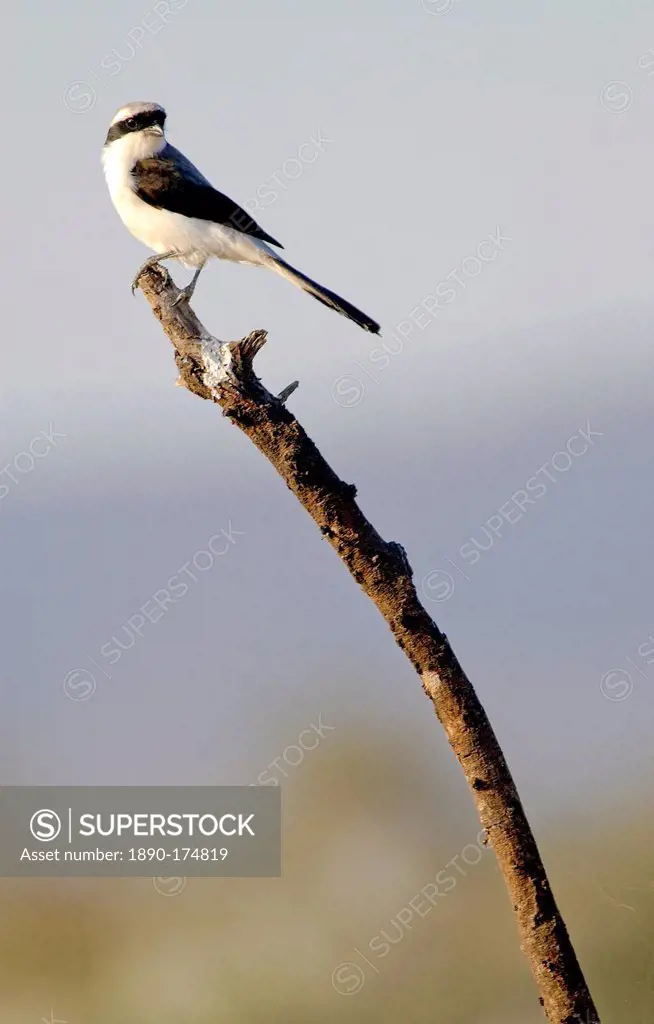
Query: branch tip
(248, 348)
(288, 391)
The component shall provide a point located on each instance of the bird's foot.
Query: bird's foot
(184, 296)
(135, 282)
(144, 266)
(153, 261)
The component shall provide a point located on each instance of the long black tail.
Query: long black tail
(324, 295)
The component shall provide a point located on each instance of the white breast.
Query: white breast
(156, 228)
(162, 230)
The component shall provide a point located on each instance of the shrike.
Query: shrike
(171, 207)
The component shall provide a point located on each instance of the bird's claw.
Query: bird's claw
(184, 296)
(152, 262)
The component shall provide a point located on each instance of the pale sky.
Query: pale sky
(436, 131)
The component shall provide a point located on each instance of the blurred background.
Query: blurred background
(395, 139)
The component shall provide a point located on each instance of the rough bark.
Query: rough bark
(223, 373)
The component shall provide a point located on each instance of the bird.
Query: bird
(168, 204)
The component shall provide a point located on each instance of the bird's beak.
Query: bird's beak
(155, 129)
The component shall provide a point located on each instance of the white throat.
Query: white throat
(119, 157)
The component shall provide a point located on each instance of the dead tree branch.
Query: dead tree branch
(223, 373)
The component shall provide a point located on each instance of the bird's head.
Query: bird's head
(140, 125)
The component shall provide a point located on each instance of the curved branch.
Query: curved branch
(224, 374)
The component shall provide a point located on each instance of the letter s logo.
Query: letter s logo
(45, 825)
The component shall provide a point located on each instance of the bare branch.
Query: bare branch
(223, 373)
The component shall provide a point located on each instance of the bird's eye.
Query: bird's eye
(131, 122)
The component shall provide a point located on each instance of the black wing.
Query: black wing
(169, 181)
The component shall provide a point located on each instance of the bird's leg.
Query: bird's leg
(152, 262)
(186, 293)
